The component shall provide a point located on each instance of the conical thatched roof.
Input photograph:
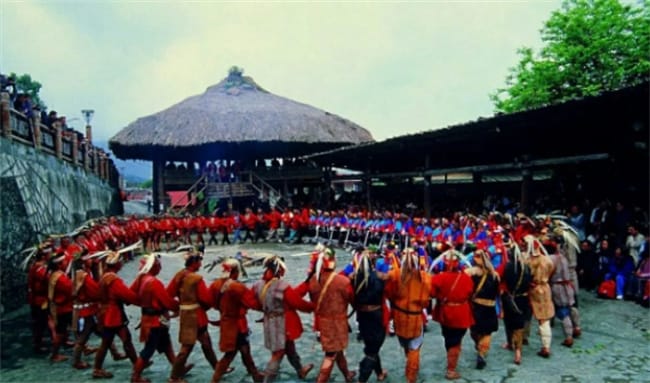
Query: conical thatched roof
(235, 119)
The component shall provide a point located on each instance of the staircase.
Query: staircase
(263, 189)
(250, 185)
(197, 188)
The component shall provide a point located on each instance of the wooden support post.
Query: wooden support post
(58, 140)
(157, 185)
(477, 184)
(427, 187)
(102, 166)
(75, 149)
(89, 134)
(86, 159)
(368, 182)
(526, 184)
(36, 128)
(95, 168)
(6, 115)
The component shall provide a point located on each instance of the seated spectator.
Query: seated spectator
(604, 254)
(621, 266)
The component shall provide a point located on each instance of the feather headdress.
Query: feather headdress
(147, 262)
(362, 271)
(275, 264)
(410, 264)
(533, 246)
(568, 234)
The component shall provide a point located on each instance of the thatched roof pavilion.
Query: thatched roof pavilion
(235, 119)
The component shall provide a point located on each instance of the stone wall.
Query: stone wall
(41, 195)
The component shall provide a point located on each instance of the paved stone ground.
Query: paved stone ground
(614, 348)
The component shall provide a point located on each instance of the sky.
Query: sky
(392, 67)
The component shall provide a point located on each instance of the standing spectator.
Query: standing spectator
(634, 242)
(639, 282)
(587, 266)
(577, 220)
(622, 218)
(621, 266)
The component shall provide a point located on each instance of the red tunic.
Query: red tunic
(63, 294)
(37, 285)
(292, 303)
(154, 300)
(249, 220)
(233, 299)
(213, 224)
(274, 218)
(452, 291)
(114, 294)
(87, 296)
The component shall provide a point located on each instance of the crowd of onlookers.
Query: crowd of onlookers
(23, 103)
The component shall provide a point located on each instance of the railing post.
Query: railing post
(75, 149)
(58, 140)
(102, 166)
(36, 133)
(89, 133)
(6, 116)
(86, 145)
(95, 168)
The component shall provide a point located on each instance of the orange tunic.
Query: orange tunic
(233, 299)
(332, 313)
(408, 298)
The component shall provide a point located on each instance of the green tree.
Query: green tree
(591, 46)
(25, 84)
(148, 184)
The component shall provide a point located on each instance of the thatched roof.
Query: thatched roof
(235, 119)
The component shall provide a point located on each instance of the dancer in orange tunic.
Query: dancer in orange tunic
(233, 299)
(327, 286)
(408, 288)
(194, 298)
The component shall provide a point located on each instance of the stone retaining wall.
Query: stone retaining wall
(41, 195)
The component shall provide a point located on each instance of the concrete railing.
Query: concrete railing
(69, 146)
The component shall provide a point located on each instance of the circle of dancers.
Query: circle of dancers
(464, 272)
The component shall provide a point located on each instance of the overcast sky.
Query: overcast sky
(393, 68)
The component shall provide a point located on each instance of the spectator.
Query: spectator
(622, 218)
(577, 220)
(587, 267)
(604, 256)
(634, 242)
(51, 117)
(5, 83)
(639, 283)
(621, 266)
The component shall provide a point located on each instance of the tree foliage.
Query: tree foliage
(148, 184)
(591, 46)
(25, 84)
